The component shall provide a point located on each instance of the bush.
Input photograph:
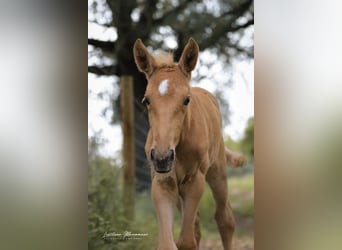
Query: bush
(106, 213)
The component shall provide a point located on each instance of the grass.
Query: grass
(244, 183)
(241, 195)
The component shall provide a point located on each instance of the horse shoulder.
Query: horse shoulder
(210, 136)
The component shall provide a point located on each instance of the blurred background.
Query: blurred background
(44, 137)
(225, 34)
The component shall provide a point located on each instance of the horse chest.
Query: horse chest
(187, 167)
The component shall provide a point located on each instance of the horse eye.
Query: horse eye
(186, 101)
(145, 101)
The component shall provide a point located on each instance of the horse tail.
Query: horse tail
(234, 159)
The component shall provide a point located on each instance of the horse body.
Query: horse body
(185, 148)
(201, 136)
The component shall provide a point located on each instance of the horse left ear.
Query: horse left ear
(188, 59)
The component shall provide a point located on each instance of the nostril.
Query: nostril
(172, 155)
(152, 154)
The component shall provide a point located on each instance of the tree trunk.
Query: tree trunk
(127, 124)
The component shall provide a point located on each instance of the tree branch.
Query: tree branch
(242, 26)
(104, 70)
(222, 29)
(170, 13)
(106, 46)
(106, 25)
(249, 52)
(219, 26)
(238, 11)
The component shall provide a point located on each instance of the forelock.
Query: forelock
(164, 59)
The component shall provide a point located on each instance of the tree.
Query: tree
(215, 25)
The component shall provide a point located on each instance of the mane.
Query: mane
(164, 59)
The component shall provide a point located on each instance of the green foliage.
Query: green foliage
(232, 144)
(103, 201)
(246, 144)
(106, 213)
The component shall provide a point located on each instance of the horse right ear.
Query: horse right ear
(143, 59)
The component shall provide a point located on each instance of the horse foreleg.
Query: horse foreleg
(197, 224)
(191, 192)
(164, 195)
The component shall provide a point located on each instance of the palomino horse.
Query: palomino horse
(184, 147)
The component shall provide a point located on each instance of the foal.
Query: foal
(184, 147)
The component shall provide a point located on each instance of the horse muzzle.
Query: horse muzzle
(162, 162)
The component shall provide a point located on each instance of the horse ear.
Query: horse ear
(188, 59)
(143, 59)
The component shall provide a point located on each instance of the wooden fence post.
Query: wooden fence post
(128, 158)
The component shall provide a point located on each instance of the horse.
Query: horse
(184, 147)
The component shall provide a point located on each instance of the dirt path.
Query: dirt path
(243, 243)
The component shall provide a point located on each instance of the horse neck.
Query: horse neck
(186, 126)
